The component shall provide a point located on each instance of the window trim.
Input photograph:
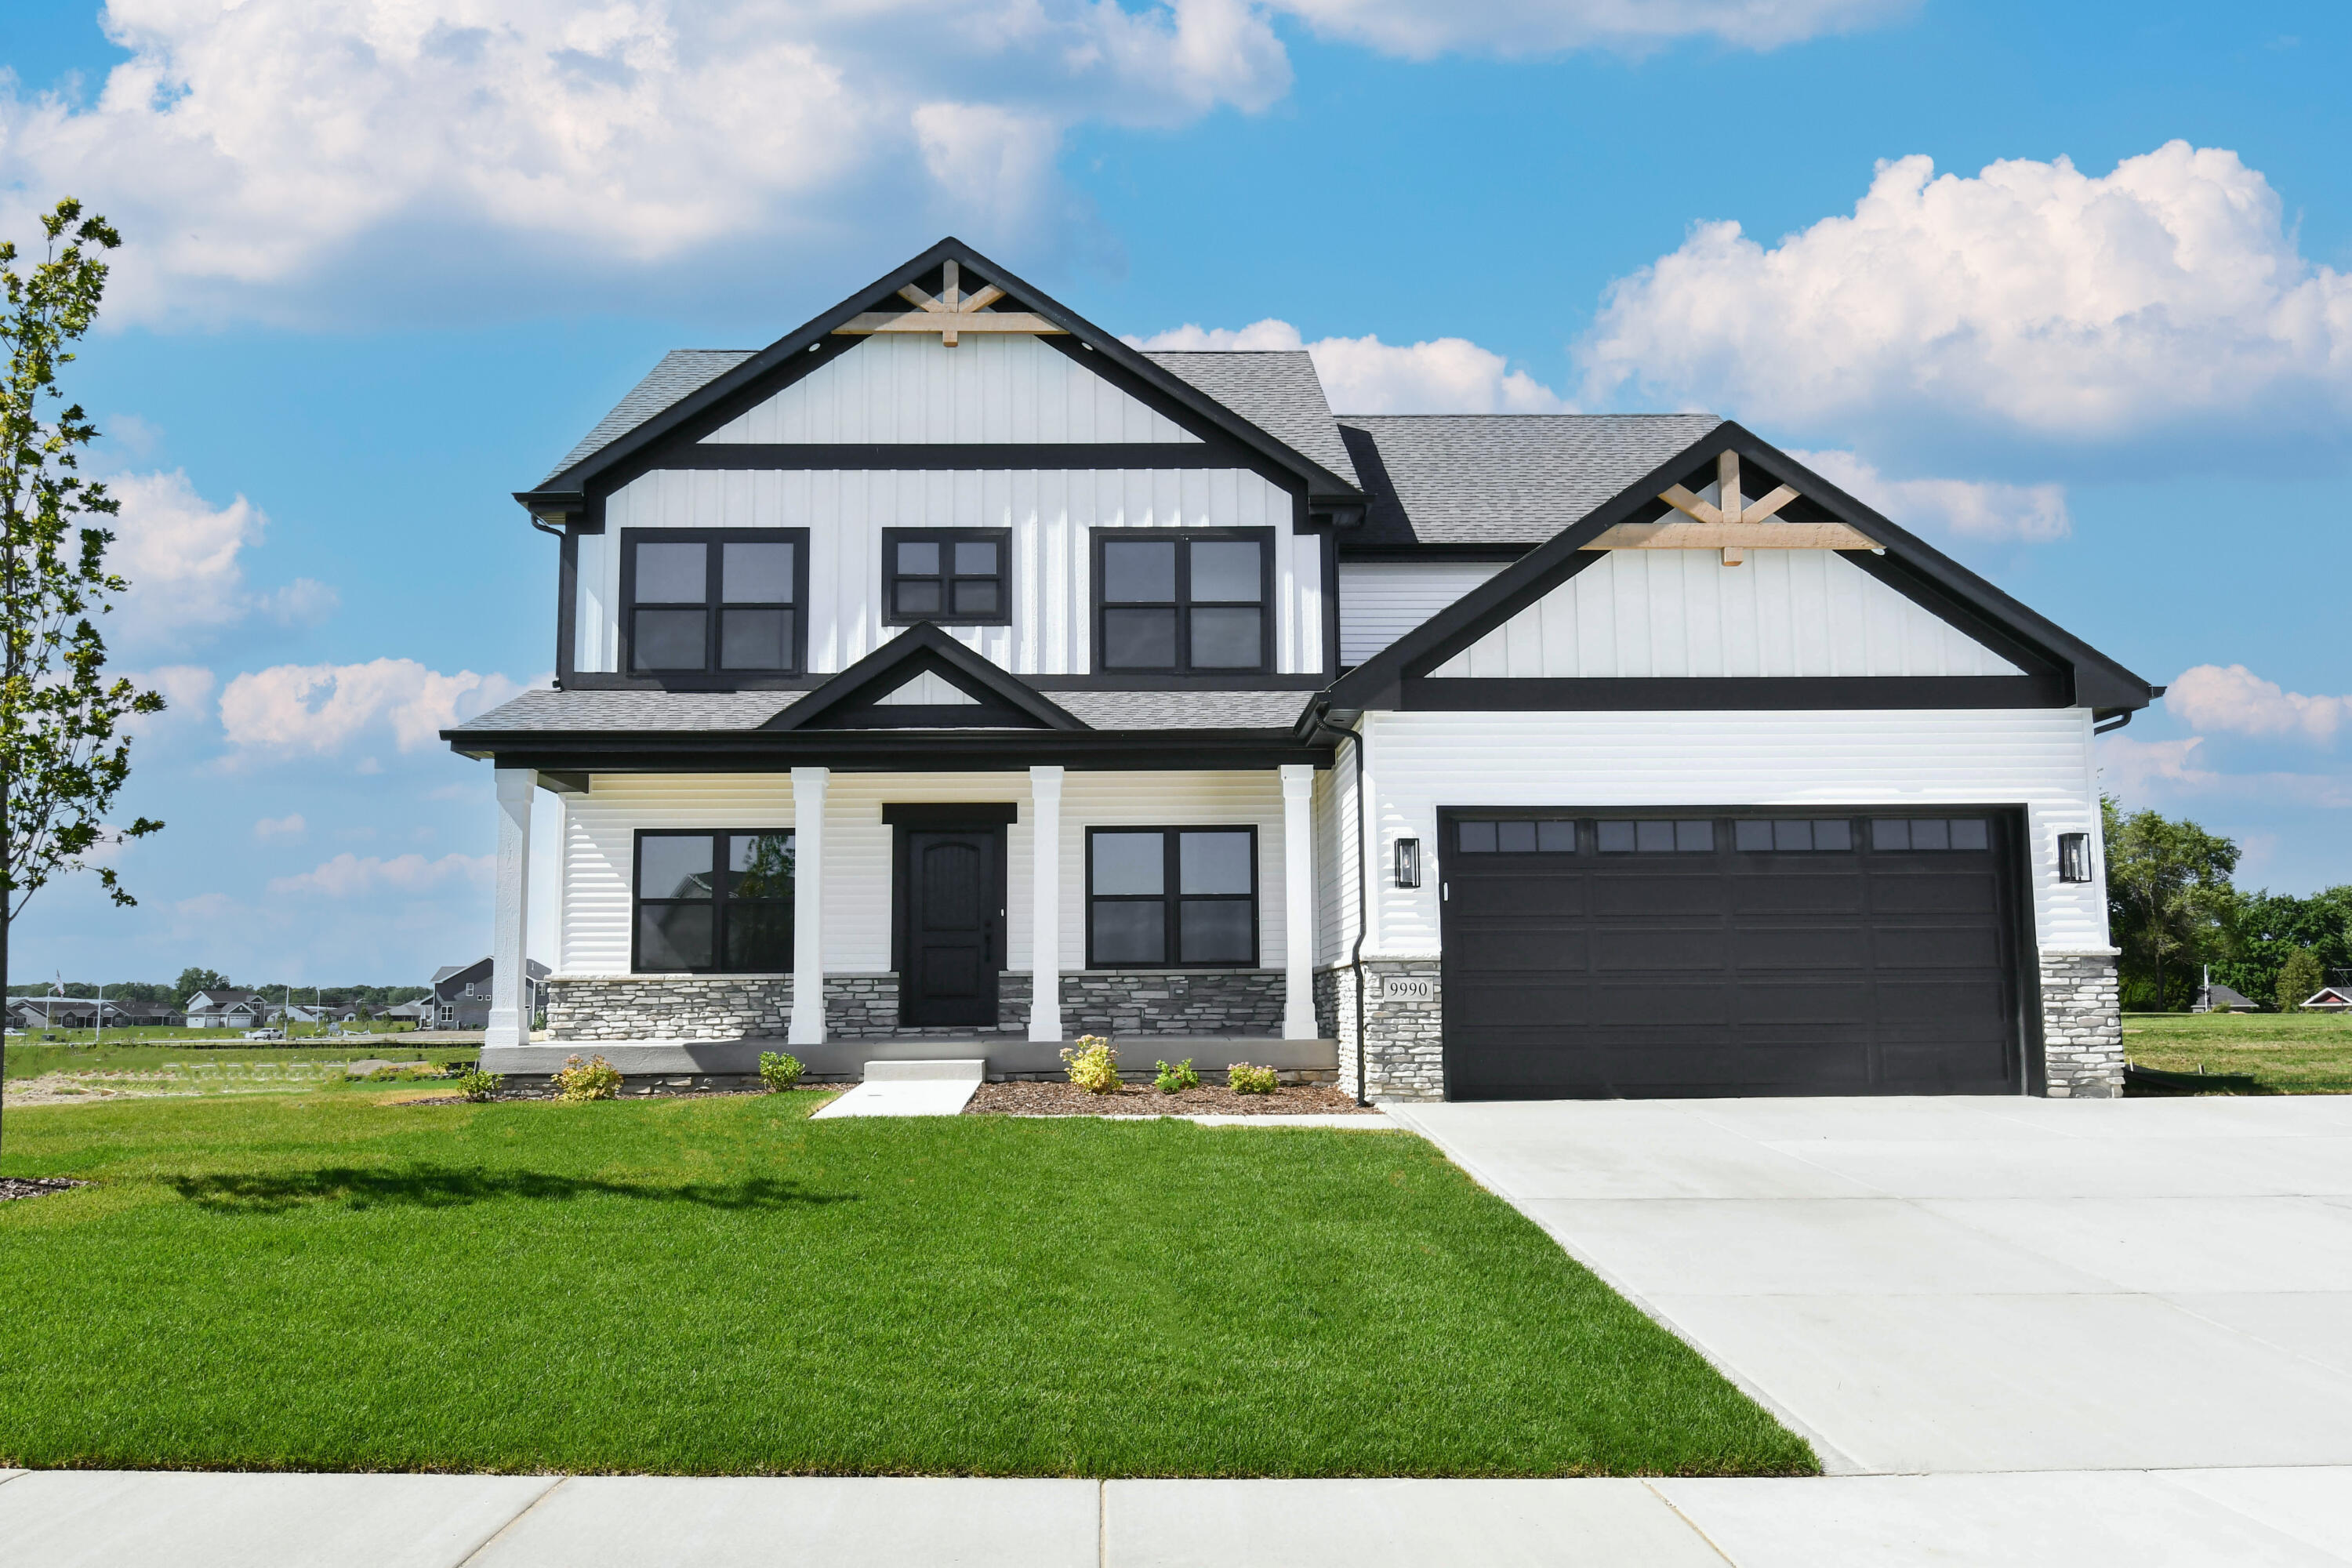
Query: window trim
(1263, 537)
(1173, 900)
(720, 900)
(1001, 537)
(714, 604)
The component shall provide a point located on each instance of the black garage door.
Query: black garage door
(1729, 953)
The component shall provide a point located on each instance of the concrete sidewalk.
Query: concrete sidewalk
(2246, 1518)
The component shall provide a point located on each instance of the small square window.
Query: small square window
(1834, 834)
(1514, 838)
(1930, 833)
(1614, 837)
(1694, 838)
(1477, 838)
(1556, 838)
(1969, 833)
(953, 576)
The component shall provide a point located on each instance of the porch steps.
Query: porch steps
(911, 1089)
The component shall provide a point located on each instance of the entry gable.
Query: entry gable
(1732, 576)
(924, 679)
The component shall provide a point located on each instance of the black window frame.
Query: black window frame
(714, 604)
(1172, 928)
(947, 579)
(720, 900)
(1184, 603)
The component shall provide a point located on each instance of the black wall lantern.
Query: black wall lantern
(2074, 856)
(1407, 862)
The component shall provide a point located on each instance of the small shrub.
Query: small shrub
(477, 1085)
(593, 1079)
(1093, 1065)
(780, 1069)
(1243, 1079)
(1177, 1079)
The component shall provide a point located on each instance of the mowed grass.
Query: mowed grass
(720, 1286)
(2276, 1053)
(177, 1068)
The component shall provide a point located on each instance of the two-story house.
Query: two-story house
(950, 678)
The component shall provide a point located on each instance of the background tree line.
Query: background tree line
(374, 998)
(2173, 910)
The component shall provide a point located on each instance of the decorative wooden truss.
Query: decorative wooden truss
(952, 313)
(1735, 527)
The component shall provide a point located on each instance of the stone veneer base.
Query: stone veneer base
(2082, 1026)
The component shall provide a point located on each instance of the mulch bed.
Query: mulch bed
(1142, 1100)
(35, 1186)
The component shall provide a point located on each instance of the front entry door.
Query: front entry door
(952, 928)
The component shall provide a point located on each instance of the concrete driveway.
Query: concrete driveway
(1971, 1284)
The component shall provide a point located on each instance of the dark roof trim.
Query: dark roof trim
(780, 363)
(893, 751)
(922, 646)
(1910, 565)
(1679, 693)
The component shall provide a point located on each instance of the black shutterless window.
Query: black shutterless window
(1184, 603)
(958, 576)
(713, 602)
(717, 902)
(1163, 898)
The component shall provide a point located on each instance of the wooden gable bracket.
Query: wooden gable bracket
(952, 313)
(1735, 527)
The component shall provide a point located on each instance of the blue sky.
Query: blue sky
(386, 263)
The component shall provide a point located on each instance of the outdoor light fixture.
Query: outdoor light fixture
(1408, 864)
(2074, 856)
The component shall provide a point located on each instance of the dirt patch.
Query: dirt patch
(1142, 1100)
(12, 1187)
(83, 1087)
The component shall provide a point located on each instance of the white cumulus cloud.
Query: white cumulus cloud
(291, 826)
(2234, 700)
(349, 876)
(1974, 509)
(319, 709)
(2130, 768)
(1365, 375)
(186, 561)
(2030, 299)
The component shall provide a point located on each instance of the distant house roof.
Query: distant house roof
(2330, 998)
(2220, 995)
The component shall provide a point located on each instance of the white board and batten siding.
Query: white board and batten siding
(1002, 387)
(1379, 601)
(1051, 516)
(599, 831)
(1683, 613)
(1910, 761)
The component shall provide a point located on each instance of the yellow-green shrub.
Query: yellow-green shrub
(1093, 1065)
(1177, 1079)
(593, 1079)
(780, 1069)
(1243, 1079)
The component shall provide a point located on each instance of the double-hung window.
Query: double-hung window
(713, 602)
(1164, 897)
(957, 577)
(715, 903)
(1182, 603)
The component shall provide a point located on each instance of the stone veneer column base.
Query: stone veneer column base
(2082, 1026)
(1405, 1045)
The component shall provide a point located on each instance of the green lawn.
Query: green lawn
(2269, 1053)
(720, 1286)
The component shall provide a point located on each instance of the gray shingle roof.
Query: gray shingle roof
(681, 372)
(672, 712)
(1276, 390)
(1503, 478)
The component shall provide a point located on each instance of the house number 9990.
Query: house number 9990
(1394, 989)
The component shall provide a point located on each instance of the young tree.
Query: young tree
(192, 980)
(2168, 895)
(2298, 977)
(63, 757)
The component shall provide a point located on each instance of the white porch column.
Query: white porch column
(1298, 902)
(807, 1026)
(510, 913)
(1046, 903)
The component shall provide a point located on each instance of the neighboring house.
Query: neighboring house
(82, 1013)
(409, 1013)
(461, 995)
(229, 1009)
(951, 676)
(2329, 999)
(2215, 997)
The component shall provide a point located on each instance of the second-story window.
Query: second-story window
(715, 602)
(1192, 602)
(957, 577)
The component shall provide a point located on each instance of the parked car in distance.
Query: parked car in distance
(265, 1033)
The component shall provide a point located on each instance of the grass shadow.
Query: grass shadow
(445, 1186)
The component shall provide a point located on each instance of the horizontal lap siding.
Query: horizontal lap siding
(600, 827)
(1379, 601)
(1683, 613)
(994, 388)
(1909, 758)
(1335, 849)
(1049, 513)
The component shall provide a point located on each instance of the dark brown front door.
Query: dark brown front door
(951, 927)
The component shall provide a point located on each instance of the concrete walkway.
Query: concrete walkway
(909, 1088)
(1973, 1284)
(2244, 1518)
